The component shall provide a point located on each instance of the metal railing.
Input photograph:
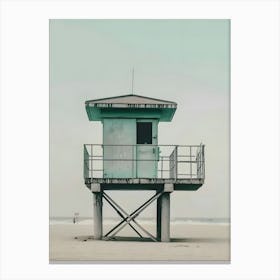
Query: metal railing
(144, 161)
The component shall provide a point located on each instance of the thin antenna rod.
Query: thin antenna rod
(132, 83)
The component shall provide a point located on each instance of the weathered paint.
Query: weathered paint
(119, 160)
(98, 114)
(119, 116)
(131, 99)
(97, 215)
(130, 161)
(156, 184)
(165, 217)
(134, 166)
(147, 155)
(130, 106)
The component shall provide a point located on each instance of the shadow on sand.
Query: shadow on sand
(147, 239)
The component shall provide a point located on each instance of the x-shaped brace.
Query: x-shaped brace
(128, 218)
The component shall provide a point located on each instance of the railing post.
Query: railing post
(103, 160)
(170, 166)
(132, 161)
(203, 161)
(91, 161)
(191, 161)
(84, 161)
(161, 167)
(176, 162)
(199, 162)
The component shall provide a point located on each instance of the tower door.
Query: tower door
(147, 151)
(119, 148)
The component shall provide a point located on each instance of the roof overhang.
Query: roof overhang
(130, 106)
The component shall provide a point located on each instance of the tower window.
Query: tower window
(144, 133)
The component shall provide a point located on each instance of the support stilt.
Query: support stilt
(159, 219)
(164, 217)
(97, 215)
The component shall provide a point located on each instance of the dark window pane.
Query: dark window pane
(144, 133)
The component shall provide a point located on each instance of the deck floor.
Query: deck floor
(187, 184)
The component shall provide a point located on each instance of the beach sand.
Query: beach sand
(189, 242)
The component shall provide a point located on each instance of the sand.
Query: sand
(189, 242)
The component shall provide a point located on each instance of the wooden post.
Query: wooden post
(165, 217)
(97, 215)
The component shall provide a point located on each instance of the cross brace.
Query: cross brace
(128, 218)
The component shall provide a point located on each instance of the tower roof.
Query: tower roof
(130, 106)
(129, 100)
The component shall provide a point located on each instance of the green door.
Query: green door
(147, 151)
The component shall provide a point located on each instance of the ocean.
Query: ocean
(113, 220)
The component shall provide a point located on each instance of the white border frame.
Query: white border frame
(254, 129)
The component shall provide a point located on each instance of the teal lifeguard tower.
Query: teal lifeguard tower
(130, 158)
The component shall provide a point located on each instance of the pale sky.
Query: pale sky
(185, 61)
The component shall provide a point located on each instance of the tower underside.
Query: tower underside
(156, 184)
(163, 189)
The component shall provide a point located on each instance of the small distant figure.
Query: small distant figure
(75, 218)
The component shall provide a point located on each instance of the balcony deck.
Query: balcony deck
(187, 184)
(179, 165)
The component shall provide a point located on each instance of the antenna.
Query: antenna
(132, 82)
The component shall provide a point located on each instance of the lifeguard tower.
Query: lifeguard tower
(130, 158)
